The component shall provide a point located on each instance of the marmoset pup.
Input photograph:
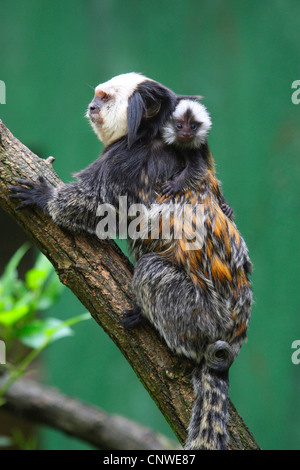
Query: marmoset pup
(188, 129)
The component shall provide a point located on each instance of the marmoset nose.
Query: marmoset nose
(94, 108)
(184, 136)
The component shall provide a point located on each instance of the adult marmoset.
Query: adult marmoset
(198, 299)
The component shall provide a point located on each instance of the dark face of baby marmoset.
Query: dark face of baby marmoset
(187, 130)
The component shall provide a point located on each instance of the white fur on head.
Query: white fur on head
(200, 115)
(112, 123)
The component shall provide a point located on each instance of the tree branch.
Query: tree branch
(100, 275)
(46, 406)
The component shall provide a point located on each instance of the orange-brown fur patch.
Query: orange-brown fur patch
(209, 248)
(220, 269)
(219, 226)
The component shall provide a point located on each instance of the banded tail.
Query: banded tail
(208, 426)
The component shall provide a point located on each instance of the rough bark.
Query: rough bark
(99, 275)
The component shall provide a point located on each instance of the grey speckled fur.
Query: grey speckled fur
(199, 301)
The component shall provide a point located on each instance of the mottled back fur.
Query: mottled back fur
(199, 300)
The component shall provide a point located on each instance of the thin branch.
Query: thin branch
(100, 275)
(46, 406)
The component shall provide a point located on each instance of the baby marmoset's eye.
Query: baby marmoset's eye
(178, 126)
(194, 126)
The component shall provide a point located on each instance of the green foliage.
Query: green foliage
(20, 301)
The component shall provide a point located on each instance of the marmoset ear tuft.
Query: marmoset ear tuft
(148, 108)
(140, 108)
(136, 111)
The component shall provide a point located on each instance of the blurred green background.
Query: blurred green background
(243, 57)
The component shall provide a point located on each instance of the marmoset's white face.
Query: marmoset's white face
(108, 110)
(189, 125)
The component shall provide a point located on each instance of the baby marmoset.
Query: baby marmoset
(188, 129)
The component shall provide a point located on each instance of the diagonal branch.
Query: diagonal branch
(99, 275)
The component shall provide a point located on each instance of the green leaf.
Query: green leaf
(13, 310)
(36, 278)
(10, 272)
(7, 303)
(38, 275)
(39, 333)
(78, 319)
(14, 315)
